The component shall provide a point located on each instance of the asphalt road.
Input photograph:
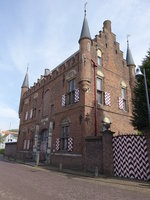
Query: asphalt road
(22, 182)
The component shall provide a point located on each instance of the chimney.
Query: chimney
(107, 25)
(47, 72)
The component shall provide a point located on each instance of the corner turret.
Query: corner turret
(131, 65)
(85, 55)
(24, 88)
(129, 57)
(85, 32)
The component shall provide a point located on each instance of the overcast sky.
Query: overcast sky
(43, 33)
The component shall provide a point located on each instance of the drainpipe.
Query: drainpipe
(95, 98)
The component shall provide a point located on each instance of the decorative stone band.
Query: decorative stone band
(107, 99)
(120, 103)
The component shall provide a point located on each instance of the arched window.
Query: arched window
(99, 57)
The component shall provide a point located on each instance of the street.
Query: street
(22, 182)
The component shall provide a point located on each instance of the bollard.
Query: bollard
(96, 171)
(60, 166)
(37, 158)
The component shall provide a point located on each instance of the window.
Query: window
(24, 144)
(64, 138)
(123, 91)
(71, 91)
(99, 57)
(34, 107)
(31, 113)
(26, 115)
(99, 91)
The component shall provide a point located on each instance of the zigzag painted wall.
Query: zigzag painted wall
(130, 157)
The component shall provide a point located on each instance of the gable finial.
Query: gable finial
(85, 8)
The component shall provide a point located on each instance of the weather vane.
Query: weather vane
(128, 38)
(27, 67)
(85, 8)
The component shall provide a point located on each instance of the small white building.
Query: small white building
(8, 137)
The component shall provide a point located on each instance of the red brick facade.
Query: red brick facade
(61, 105)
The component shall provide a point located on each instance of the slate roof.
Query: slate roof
(129, 57)
(26, 81)
(85, 32)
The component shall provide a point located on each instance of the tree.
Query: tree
(140, 112)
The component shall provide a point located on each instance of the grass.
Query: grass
(2, 151)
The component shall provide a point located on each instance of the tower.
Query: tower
(131, 65)
(24, 88)
(85, 55)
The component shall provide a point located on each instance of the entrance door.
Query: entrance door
(43, 137)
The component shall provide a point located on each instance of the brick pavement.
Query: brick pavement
(22, 182)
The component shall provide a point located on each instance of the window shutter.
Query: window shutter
(26, 115)
(63, 100)
(24, 145)
(31, 113)
(28, 144)
(70, 144)
(57, 144)
(121, 103)
(107, 99)
(77, 95)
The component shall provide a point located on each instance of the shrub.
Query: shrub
(2, 151)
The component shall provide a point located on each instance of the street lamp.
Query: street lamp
(139, 73)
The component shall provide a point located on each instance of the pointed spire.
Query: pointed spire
(26, 81)
(85, 33)
(129, 57)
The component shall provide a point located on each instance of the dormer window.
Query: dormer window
(99, 57)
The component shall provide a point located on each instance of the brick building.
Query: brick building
(87, 93)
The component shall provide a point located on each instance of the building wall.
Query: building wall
(80, 116)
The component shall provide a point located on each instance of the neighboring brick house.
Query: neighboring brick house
(89, 92)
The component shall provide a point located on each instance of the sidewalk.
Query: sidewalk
(102, 178)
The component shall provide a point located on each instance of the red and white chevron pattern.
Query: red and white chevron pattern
(77, 95)
(70, 144)
(131, 157)
(57, 144)
(121, 103)
(107, 99)
(63, 100)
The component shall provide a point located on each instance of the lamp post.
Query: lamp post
(139, 73)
